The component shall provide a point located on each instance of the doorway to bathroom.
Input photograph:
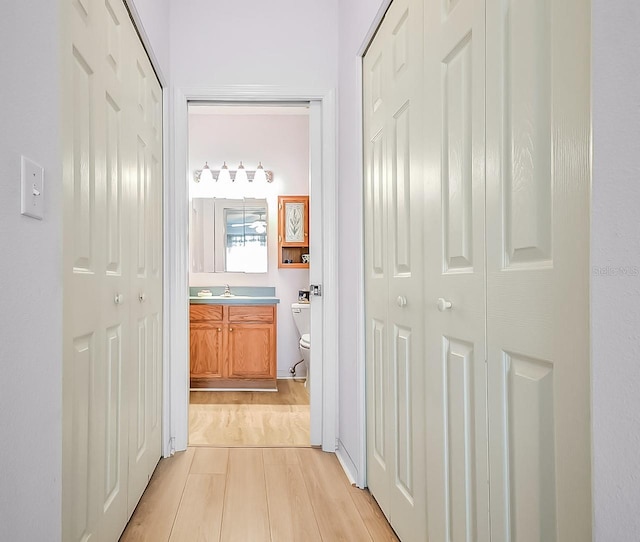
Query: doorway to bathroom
(250, 257)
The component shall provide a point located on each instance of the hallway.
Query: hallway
(255, 494)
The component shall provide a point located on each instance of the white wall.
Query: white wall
(356, 19)
(615, 258)
(281, 142)
(30, 277)
(240, 42)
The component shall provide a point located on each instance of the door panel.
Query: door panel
(460, 440)
(104, 354)
(538, 141)
(393, 268)
(146, 293)
(457, 158)
(251, 349)
(206, 350)
(454, 254)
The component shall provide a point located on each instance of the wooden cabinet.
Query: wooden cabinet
(233, 346)
(206, 349)
(293, 231)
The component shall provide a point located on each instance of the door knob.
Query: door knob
(401, 301)
(118, 299)
(443, 304)
(142, 297)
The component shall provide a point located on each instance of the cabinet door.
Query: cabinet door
(294, 221)
(206, 350)
(252, 351)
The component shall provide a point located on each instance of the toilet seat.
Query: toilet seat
(305, 341)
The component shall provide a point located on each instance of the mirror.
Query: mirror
(228, 235)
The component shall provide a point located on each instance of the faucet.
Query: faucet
(227, 290)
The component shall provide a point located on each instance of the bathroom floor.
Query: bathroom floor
(250, 418)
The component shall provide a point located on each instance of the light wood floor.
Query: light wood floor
(255, 495)
(246, 418)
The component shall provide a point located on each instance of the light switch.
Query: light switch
(32, 189)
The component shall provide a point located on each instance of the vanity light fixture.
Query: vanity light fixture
(241, 174)
(225, 175)
(260, 175)
(205, 174)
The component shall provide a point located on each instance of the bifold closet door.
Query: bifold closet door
(145, 271)
(393, 269)
(538, 177)
(454, 255)
(100, 394)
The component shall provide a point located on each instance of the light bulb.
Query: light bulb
(206, 175)
(260, 175)
(241, 174)
(224, 176)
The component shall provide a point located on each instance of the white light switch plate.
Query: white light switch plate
(32, 189)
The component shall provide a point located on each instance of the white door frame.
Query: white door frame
(324, 377)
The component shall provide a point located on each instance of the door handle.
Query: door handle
(443, 304)
(401, 301)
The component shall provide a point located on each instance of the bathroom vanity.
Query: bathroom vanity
(233, 340)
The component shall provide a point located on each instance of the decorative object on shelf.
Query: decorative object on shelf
(293, 231)
(224, 174)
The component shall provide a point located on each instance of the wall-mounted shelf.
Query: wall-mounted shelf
(293, 231)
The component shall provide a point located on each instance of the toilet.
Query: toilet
(302, 318)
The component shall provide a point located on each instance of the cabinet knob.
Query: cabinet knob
(142, 297)
(118, 299)
(230, 329)
(443, 304)
(401, 301)
(219, 329)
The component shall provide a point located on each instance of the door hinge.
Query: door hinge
(316, 289)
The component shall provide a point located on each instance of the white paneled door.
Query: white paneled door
(111, 266)
(492, 366)
(454, 255)
(394, 218)
(538, 178)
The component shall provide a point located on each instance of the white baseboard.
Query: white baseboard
(286, 375)
(347, 464)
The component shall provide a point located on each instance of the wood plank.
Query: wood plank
(280, 456)
(246, 514)
(199, 517)
(373, 518)
(210, 461)
(290, 513)
(153, 519)
(336, 514)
